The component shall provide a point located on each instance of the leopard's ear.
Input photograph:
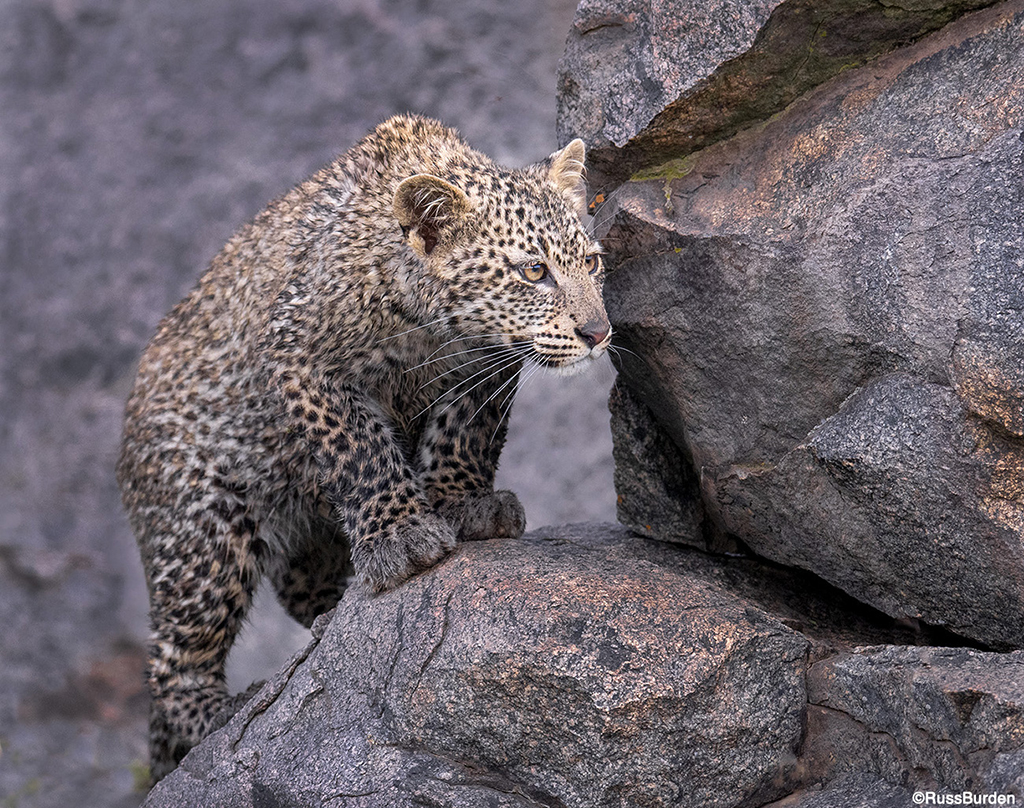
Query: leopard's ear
(428, 209)
(566, 172)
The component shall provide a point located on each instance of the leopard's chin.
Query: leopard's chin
(571, 367)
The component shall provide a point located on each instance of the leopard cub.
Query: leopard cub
(333, 393)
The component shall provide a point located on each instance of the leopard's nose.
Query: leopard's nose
(593, 332)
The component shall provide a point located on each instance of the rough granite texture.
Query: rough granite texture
(652, 477)
(586, 667)
(823, 314)
(561, 671)
(952, 716)
(626, 61)
(852, 791)
(643, 82)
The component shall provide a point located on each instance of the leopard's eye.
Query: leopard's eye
(592, 263)
(535, 272)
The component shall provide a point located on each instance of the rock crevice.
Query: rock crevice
(646, 83)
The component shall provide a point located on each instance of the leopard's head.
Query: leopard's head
(516, 262)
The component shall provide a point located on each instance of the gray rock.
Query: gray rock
(832, 621)
(658, 493)
(586, 666)
(558, 670)
(942, 719)
(626, 61)
(824, 315)
(852, 791)
(643, 82)
(890, 473)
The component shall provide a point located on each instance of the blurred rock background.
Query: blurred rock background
(134, 139)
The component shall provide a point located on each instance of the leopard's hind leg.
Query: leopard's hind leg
(198, 600)
(310, 579)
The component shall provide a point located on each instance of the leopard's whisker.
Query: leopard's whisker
(438, 321)
(496, 356)
(618, 349)
(514, 380)
(510, 397)
(453, 340)
(426, 362)
(505, 361)
(515, 360)
(596, 221)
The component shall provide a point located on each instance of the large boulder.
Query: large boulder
(823, 323)
(586, 667)
(570, 668)
(952, 716)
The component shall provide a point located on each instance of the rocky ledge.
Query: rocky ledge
(587, 666)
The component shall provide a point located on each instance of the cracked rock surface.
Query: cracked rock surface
(565, 669)
(587, 667)
(951, 715)
(824, 314)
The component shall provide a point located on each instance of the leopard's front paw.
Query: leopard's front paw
(408, 546)
(487, 516)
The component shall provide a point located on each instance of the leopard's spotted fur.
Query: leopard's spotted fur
(332, 392)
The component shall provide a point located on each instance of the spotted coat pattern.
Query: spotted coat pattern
(333, 394)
